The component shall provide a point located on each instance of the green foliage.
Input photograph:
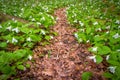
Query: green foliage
(86, 75)
(25, 36)
(99, 25)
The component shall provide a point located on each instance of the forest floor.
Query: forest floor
(64, 58)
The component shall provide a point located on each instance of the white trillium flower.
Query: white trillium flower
(0, 26)
(93, 58)
(118, 50)
(83, 30)
(43, 32)
(75, 21)
(108, 27)
(107, 57)
(95, 23)
(112, 69)
(107, 32)
(76, 35)
(118, 27)
(8, 41)
(29, 39)
(29, 57)
(38, 23)
(22, 9)
(116, 36)
(117, 22)
(80, 40)
(51, 37)
(33, 19)
(82, 24)
(94, 49)
(98, 29)
(16, 30)
(43, 18)
(9, 28)
(14, 40)
(88, 41)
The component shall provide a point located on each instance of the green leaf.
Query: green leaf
(88, 30)
(48, 37)
(27, 65)
(107, 75)
(20, 67)
(86, 75)
(99, 59)
(3, 44)
(103, 50)
(112, 62)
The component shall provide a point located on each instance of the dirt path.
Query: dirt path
(67, 60)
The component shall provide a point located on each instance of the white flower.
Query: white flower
(118, 27)
(51, 37)
(16, 30)
(117, 22)
(83, 30)
(29, 39)
(29, 57)
(75, 21)
(30, 17)
(82, 24)
(95, 23)
(75, 14)
(38, 23)
(43, 32)
(33, 19)
(80, 40)
(112, 69)
(116, 36)
(8, 41)
(98, 29)
(107, 57)
(94, 49)
(0, 26)
(14, 40)
(93, 58)
(43, 18)
(76, 35)
(107, 32)
(88, 41)
(9, 28)
(118, 50)
(22, 9)
(108, 27)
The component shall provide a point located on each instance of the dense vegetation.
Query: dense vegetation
(98, 23)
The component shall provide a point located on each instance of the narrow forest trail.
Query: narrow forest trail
(68, 59)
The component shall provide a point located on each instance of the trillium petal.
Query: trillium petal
(14, 40)
(94, 49)
(0, 26)
(30, 57)
(112, 69)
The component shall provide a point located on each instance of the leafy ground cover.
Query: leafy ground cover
(99, 24)
(17, 39)
(97, 28)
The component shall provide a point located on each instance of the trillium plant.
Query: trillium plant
(100, 29)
